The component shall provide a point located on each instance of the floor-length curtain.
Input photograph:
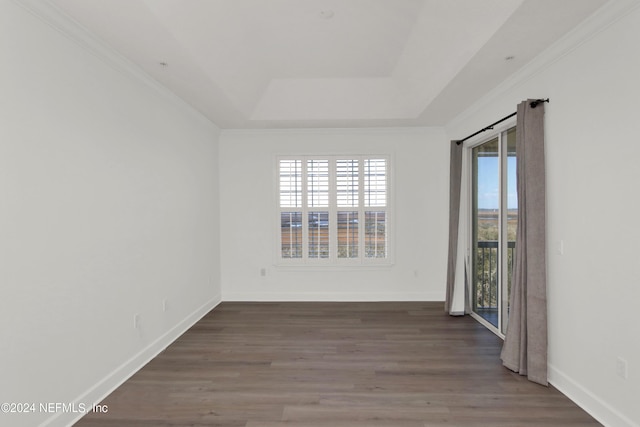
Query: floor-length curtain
(455, 179)
(525, 345)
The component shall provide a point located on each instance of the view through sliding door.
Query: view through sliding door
(494, 223)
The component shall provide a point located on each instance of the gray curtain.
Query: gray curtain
(455, 174)
(525, 345)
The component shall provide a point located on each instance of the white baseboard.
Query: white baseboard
(592, 404)
(332, 297)
(112, 381)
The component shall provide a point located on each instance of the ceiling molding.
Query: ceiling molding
(51, 15)
(599, 21)
(432, 130)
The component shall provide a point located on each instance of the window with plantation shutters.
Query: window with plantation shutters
(291, 208)
(333, 209)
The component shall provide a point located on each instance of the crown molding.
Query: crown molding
(599, 21)
(50, 14)
(421, 130)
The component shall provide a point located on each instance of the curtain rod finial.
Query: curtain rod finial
(534, 104)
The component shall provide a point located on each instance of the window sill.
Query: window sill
(306, 267)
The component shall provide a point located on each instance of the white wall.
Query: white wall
(249, 221)
(592, 156)
(108, 190)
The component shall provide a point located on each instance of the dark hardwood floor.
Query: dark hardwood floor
(392, 364)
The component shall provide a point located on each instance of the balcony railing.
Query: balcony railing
(487, 268)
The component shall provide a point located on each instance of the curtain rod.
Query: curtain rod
(532, 104)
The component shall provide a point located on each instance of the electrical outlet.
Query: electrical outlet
(136, 321)
(263, 272)
(621, 368)
(164, 305)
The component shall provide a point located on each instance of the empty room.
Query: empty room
(313, 213)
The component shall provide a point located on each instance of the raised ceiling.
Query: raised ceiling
(329, 63)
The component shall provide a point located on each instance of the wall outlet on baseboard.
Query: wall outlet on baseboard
(164, 305)
(621, 368)
(263, 272)
(136, 321)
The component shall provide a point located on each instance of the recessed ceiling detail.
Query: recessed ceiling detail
(277, 63)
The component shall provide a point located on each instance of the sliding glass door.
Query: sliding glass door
(494, 223)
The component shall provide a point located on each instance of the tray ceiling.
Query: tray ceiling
(329, 63)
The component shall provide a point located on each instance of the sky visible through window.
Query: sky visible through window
(488, 183)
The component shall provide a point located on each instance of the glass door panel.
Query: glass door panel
(494, 223)
(486, 203)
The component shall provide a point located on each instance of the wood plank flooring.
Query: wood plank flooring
(392, 364)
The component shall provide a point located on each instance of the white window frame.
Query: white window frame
(333, 260)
